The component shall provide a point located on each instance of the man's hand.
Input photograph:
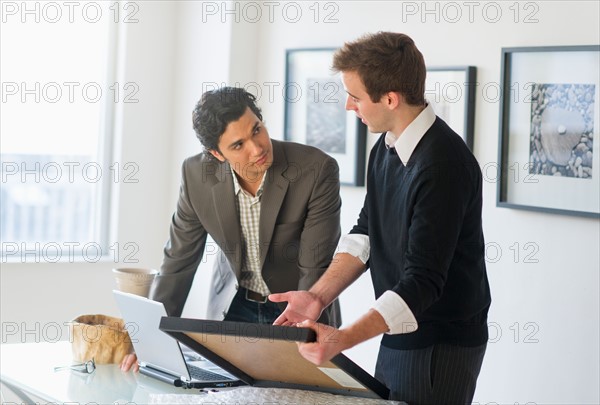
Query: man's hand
(129, 362)
(302, 305)
(330, 342)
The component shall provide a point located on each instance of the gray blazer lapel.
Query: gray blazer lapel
(226, 213)
(275, 188)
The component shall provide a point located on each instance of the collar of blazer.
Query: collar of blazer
(274, 191)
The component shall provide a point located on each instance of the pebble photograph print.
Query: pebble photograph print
(562, 128)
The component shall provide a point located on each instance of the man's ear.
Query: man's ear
(217, 155)
(392, 99)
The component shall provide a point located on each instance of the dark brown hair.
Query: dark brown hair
(216, 109)
(385, 61)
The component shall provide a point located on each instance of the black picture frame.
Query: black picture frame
(549, 118)
(451, 92)
(315, 112)
(235, 346)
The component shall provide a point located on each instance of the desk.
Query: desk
(29, 367)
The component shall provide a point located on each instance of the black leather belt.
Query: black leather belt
(254, 296)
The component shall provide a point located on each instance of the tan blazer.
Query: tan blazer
(298, 233)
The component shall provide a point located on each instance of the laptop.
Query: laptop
(159, 355)
(267, 356)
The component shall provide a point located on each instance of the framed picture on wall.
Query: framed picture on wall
(451, 92)
(549, 119)
(315, 112)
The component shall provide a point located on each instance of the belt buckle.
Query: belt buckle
(262, 301)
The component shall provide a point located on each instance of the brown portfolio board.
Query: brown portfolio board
(267, 356)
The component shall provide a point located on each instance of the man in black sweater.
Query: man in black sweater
(419, 232)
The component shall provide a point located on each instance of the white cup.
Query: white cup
(135, 280)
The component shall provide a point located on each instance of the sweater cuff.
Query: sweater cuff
(396, 313)
(355, 244)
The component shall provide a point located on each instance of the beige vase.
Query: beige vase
(99, 337)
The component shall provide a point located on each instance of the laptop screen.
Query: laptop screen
(142, 318)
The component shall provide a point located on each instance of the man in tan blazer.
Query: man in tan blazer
(284, 244)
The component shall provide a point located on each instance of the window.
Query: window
(57, 62)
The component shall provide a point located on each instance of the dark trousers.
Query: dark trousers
(439, 374)
(243, 310)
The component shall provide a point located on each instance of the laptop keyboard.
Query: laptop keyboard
(204, 375)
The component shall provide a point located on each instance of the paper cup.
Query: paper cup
(135, 280)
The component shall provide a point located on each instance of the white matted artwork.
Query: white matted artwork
(315, 112)
(451, 93)
(549, 121)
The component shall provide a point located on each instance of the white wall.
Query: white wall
(178, 49)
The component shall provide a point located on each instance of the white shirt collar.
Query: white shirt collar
(236, 184)
(237, 188)
(410, 137)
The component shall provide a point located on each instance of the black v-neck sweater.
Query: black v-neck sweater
(425, 230)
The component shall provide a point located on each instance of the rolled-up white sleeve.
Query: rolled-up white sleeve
(357, 245)
(396, 313)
